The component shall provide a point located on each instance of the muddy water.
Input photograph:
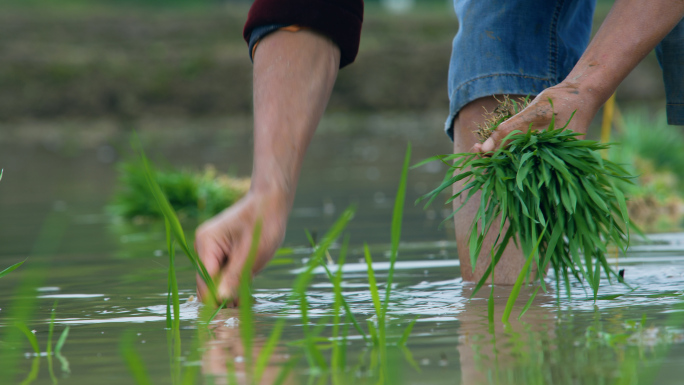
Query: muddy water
(110, 278)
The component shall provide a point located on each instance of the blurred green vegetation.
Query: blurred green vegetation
(651, 149)
(192, 194)
(127, 59)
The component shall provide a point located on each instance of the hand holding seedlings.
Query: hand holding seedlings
(561, 101)
(631, 30)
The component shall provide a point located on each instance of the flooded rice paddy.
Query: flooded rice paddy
(109, 279)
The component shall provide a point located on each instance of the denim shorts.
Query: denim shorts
(524, 46)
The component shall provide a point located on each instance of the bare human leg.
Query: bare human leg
(512, 260)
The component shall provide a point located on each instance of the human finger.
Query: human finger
(212, 256)
(231, 273)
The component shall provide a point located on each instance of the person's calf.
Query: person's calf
(512, 260)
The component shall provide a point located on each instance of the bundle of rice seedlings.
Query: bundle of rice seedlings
(192, 194)
(559, 196)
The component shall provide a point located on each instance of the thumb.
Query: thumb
(494, 141)
(501, 132)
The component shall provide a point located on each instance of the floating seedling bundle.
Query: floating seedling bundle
(560, 198)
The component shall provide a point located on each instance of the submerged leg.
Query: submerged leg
(512, 260)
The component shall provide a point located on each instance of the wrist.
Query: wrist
(276, 188)
(594, 79)
(589, 93)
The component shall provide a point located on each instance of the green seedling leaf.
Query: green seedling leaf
(61, 341)
(608, 297)
(443, 158)
(500, 249)
(373, 285)
(30, 336)
(347, 309)
(665, 295)
(396, 225)
(174, 298)
(518, 283)
(176, 228)
(218, 309)
(133, 360)
(247, 331)
(408, 356)
(407, 333)
(33, 373)
(11, 268)
(528, 304)
(319, 252)
(48, 351)
(285, 371)
(267, 351)
(490, 310)
(284, 251)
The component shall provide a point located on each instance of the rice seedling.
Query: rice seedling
(35, 364)
(175, 229)
(49, 344)
(191, 194)
(58, 348)
(22, 308)
(11, 268)
(247, 331)
(338, 358)
(312, 351)
(561, 200)
(311, 344)
(35, 346)
(378, 329)
(133, 360)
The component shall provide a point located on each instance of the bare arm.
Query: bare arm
(294, 73)
(629, 32)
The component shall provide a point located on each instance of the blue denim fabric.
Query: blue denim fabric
(259, 33)
(514, 47)
(670, 54)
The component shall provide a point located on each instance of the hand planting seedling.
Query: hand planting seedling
(560, 199)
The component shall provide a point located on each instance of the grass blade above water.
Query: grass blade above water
(11, 268)
(407, 333)
(30, 336)
(396, 225)
(176, 228)
(375, 295)
(61, 341)
(347, 309)
(319, 252)
(518, 283)
(247, 331)
(48, 349)
(173, 282)
(528, 304)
